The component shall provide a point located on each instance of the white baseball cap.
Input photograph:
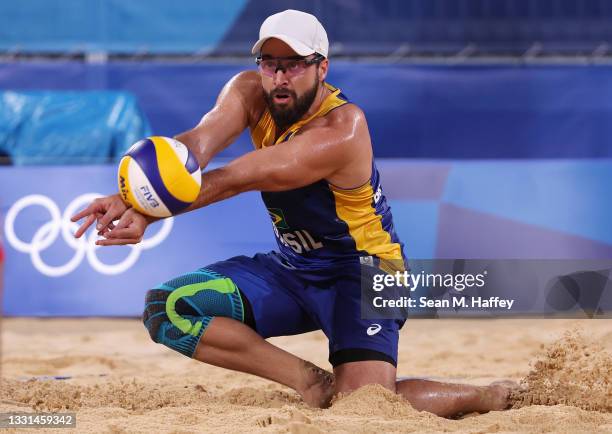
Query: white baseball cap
(301, 31)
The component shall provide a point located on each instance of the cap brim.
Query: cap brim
(300, 48)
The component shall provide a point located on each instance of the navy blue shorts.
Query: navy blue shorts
(283, 301)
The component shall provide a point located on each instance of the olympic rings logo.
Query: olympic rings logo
(60, 224)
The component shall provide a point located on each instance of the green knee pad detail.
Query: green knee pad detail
(223, 286)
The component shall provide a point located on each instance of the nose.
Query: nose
(280, 77)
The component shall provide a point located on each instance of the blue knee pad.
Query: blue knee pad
(178, 311)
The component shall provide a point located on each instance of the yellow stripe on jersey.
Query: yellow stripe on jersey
(354, 207)
(264, 132)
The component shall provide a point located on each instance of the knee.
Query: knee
(171, 325)
(177, 313)
(154, 315)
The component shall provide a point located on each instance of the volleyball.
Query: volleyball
(159, 176)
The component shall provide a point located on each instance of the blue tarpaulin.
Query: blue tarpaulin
(69, 127)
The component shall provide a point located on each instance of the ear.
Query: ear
(323, 68)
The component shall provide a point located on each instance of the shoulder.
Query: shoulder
(348, 119)
(246, 80)
(247, 84)
(353, 146)
(344, 135)
(346, 113)
(347, 125)
(342, 131)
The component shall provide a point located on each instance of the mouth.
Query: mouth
(282, 97)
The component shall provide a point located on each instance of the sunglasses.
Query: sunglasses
(291, 66)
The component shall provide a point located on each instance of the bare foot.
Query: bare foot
(318, 386)
(497, 395)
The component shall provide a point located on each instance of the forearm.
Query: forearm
(217, 185)
(278, 168)
(237, 177)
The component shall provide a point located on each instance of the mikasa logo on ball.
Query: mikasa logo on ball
(123, 188)
(159, 176)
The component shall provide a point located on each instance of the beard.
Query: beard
(286, 115)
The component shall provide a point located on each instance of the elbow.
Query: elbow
(193, 143)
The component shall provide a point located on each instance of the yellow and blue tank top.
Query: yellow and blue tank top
(321, 225)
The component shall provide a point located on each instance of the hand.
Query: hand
(105, 210)
(129, 230)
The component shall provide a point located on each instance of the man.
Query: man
(313, 164)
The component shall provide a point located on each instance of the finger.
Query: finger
(111, 214)
(81, 230)
(125, 221)
(123, 233)
(99, 215)
(104, 232)
(117, 242)
(87, 211)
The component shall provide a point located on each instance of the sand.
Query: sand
(121, 382)
(574, 370)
